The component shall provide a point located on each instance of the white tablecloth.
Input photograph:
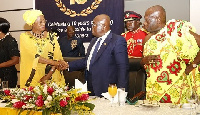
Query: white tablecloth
(103, 107)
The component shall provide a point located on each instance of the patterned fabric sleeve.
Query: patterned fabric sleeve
(57, 51)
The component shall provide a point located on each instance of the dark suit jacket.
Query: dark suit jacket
(67, 51)
(110, 65)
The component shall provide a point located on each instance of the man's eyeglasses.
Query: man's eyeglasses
(98, 24)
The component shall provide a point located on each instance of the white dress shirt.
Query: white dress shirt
(93, 47)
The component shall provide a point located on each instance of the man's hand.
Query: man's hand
(150, 59)
(188, 69)
(63, 65)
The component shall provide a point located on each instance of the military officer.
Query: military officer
(134, 34)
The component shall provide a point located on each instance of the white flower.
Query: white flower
(14, 100)
(55, 85)
(37, 90)
(47, 104)
(58, 91)
(49, 98)
(65, 94)
(45, 89)
(28, 105)
(21, 91)
(29, 92)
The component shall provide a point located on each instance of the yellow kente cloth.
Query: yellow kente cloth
(30, 50)
(176, 46)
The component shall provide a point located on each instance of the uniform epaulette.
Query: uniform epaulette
(144, 30)
(124, 32)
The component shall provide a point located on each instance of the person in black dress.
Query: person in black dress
(9, 55)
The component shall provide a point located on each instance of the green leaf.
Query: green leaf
(46, 112)
(90, 105)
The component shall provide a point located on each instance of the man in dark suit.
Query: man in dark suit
(106, 60)
(70, 45)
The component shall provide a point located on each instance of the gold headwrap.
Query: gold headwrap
(31, 15)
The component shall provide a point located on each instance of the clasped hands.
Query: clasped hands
(61, 65)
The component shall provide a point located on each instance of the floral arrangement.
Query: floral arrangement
(50, 98)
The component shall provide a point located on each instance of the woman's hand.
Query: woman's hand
(48, 76)
(61, 65)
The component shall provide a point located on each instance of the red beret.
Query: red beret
(131, 15)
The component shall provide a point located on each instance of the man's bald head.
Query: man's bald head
(101, 25)
(155, 18)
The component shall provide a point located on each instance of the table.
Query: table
(103, 107)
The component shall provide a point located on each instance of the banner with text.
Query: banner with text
(80, 13)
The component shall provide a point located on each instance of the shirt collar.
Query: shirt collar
(105, 35)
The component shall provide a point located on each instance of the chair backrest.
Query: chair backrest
(137, 77)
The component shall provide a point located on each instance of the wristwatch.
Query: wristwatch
(194, 65)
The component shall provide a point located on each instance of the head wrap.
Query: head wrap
(31, 15)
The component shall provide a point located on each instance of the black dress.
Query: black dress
(8, 49)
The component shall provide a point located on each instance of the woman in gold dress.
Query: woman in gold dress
(39, 52)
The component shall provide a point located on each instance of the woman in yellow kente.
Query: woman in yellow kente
(39, 52)
(170, 57)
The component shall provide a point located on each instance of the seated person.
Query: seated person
(70, 45)
(134, 34)
(171, 57)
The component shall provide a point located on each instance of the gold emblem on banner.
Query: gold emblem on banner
(73, 13)
(78, 1)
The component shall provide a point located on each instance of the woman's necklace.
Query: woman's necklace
(38, 35)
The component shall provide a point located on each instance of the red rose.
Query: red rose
(18, 104)
(78, 98)
(67, 98)
(7, 92)
(27, 97)
(63, 103)
(12, 96)
(39, 97)
(31, 88)
(50, 90)
(39, 103)
(84, 97)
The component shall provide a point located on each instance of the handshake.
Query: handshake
(60, 65)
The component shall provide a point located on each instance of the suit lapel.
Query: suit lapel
(104, 45)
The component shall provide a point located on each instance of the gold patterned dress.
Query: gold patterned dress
(166, 81)
(30, 50)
